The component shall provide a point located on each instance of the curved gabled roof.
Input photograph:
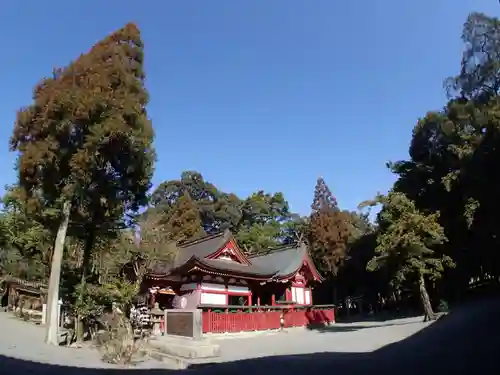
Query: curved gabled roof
(202, 247)
(276, 264)
(229, 268)
(286, 261)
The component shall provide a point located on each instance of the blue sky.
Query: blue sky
(259, 94)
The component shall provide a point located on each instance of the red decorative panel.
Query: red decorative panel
(240, 321)
(213, 322)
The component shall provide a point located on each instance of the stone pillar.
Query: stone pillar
(44, 314)
(59, 304)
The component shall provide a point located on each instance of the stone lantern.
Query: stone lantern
(157, 316)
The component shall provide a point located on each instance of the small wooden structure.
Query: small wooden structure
(22, 295)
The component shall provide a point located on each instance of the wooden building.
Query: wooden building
(19, 294)
(213, 274)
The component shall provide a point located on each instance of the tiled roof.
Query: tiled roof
(285, 261)
(202, 247)
(275, 263)
(229, 267)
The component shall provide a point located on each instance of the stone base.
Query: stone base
(185, 347)
(170, 362)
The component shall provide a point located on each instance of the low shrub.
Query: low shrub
(116, 342)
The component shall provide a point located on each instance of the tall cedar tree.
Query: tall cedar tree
(184, 221)
(328, 230)
(86, 143)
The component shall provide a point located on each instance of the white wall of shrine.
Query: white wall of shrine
(217, 294)
(213, 294)
(213, 299)
(301, 295)
(213, 287)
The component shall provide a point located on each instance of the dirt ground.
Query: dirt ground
(465, 341)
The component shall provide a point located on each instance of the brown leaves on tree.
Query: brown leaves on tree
(328, 229)
(184, 221)
(86, 137)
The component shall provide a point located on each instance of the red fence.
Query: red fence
(232, 319)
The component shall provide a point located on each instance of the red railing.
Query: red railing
(230, 319)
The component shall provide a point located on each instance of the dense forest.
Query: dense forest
(83, 206)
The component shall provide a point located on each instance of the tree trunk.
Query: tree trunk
(52, 322)
(428, 313)
(87, 253)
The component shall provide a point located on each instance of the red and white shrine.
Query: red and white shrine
(240, 293)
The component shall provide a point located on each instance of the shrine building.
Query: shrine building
(238, 292)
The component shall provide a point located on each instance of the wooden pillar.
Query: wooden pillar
(258, 300)
(273, 300)
(249, 300)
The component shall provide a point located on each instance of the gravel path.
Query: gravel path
(23, 340)
(464, 342)
(352, 337)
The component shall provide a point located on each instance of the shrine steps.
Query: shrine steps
(181, 352)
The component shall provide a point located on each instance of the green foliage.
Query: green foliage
(133, 253)
(87, 139)
(92, 300)
(480, 65)
(359, 225)
(184, 221)
(407, 238)
(86, 143)
(453, 153)
(259, 237)
(155, 244)
(262, 221)
(295, 230)
(259, 221)
(26, 243)
(217, 210)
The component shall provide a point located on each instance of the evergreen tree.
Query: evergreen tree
(86, 145)
(328, 230)
(184, 221)
(406, 241)
(261, 226)
(25, 243)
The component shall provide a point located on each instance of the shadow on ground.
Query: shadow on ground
(378, 317)
(465, 341)
(322, 328)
